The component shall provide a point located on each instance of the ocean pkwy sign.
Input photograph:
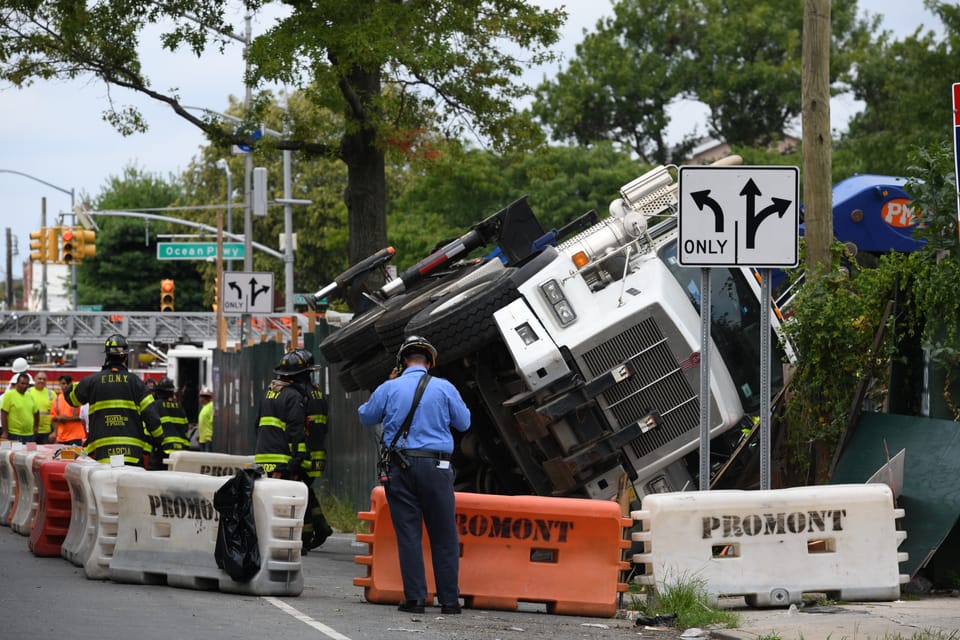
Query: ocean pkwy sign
(198, 250)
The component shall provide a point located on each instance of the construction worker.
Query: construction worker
(314, 452)
(120, 408)
(282, 420)
(172, 435)
(68, 425)
(43, 397)
(205, 420)
(19, 418)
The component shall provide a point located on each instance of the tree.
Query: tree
(466, 185)
(125, 274)
(905, 87)
(742, 58)
(387, 67)
(623, 80)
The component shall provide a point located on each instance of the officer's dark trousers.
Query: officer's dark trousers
(423, 495)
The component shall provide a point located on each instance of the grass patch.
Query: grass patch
(342, 515)
(686, 597)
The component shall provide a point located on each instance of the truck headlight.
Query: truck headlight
(527, 334)
(553, 294)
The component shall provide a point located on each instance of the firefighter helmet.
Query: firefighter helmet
(308, 357)
(165, 384)
(116, 345)
(417, 344)
(292, 363)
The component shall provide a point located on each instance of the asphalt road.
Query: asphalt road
(50, 598)
(45, 598)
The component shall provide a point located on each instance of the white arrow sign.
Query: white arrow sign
(247, 292)
(739, 216)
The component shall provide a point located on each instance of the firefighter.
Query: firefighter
(120, 409)
(172, 435)
(282, 420)
(314, 452)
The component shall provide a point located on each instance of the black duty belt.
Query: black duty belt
(424, 453)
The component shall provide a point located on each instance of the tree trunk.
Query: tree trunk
(366, 195)
(817, 187)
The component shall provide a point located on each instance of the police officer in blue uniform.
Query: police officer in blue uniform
(419, 484)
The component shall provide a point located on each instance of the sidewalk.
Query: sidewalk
(928, 617)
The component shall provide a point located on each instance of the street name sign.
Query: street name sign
(247, 292)
(198, 250)
(739, 216)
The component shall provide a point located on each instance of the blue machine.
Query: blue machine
(874, 213)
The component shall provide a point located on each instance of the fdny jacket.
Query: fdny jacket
(314, 446)
(120, 410)
(281, 426)
(173, 421)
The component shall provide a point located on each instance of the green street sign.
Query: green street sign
(198, 250)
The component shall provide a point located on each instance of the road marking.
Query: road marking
(307, 620)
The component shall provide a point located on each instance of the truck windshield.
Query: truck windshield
(734, 325)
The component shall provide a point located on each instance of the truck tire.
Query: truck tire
(353, 340)
(367, 373)
(462, 322)
(391, 327)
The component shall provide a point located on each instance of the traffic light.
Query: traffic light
(86, 244)
(77, 244)
(216, 293)
(38, 245)
(166, 294)
(43, 244)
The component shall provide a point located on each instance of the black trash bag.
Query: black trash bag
(237, 551)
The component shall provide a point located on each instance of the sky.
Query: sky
(54, 133)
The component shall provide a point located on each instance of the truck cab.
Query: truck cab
(191, 369)
(578, 358)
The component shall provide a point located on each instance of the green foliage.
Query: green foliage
(686, 596)
(624, 78)
(835, 317)
(125, 274)
(906, 98)
(742, 59)
(464, 186)
(832, 328)
(341, 515)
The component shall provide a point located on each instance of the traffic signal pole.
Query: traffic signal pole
(43, 264)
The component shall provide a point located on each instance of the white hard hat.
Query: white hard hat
(20, 365)
(206, 391)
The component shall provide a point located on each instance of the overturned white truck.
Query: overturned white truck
(577, 356)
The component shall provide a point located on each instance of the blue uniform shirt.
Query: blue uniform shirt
(440, 408)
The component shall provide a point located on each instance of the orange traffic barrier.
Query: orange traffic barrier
(53, 516)
(566, 553)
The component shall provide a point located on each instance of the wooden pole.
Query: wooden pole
(221, 327)
(817, 166)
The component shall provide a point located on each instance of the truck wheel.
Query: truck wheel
(367, 373)
(355, 339)
(462, 322)
(392, 324)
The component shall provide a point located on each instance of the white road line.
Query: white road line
(304, 618)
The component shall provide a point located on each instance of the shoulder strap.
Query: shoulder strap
(405, 427)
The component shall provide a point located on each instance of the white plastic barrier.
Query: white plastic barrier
(8, 481)
(773, 546)
(83, 511)
(103, 486)
(167, 533)
(28, 494)
(207, 463)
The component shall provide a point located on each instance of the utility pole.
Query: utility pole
(8, 298)
(43, 265)
(817, 166)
